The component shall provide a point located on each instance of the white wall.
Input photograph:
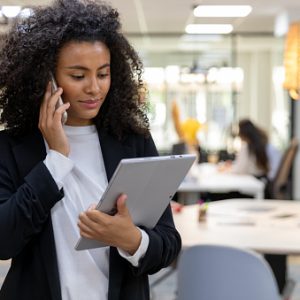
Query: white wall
(255, 102)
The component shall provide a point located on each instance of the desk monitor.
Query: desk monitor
(150, 183)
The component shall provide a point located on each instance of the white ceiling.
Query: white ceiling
(157, 26)
(171, 16)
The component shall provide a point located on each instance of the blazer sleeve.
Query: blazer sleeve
(164, 239)
(25, 206)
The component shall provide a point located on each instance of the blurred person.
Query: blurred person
(50, 173)
(187, 132)
(256, 156)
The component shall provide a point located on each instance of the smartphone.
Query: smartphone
(59, 102)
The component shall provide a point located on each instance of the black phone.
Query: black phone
(59, 102)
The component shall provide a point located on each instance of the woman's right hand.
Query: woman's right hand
(50, 122)
(117, 230)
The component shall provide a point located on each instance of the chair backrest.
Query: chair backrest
(212, 272)
(279, 185)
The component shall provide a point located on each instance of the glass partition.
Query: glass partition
(215, 80)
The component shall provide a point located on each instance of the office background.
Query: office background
(214, 78)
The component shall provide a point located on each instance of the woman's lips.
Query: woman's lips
(90, 104)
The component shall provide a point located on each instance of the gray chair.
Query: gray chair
(211, 272)
(279, 186)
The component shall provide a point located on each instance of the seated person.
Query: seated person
(274, 156)
(257, 156)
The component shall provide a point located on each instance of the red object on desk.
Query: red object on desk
(176, 207)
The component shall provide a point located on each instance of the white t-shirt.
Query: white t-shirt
(245, 162)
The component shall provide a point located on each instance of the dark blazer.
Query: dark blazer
(27, 194)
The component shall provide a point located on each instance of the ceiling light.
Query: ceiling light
(208, 28)
(222, 10)
(10, 11)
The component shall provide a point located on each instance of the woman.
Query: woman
(253, 156)
(51, 173)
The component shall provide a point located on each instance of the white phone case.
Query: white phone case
(59, 102)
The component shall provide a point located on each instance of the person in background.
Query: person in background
(50, 173)
(187, 132)
(257, 156)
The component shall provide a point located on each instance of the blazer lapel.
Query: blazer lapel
(113, 151)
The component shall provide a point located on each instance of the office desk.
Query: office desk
(204, 177)
(270, 226)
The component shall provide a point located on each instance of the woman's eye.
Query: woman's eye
(77, 76)
(102, 75)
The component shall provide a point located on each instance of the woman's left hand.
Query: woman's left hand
(117, 230)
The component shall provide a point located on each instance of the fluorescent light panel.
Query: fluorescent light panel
(10, 11)
(208, 28)
(222, 10)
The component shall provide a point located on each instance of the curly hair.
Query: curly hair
(257, 141)
(30, 51)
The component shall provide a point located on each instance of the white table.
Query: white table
(270, 226)
(205, 178)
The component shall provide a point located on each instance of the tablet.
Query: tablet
(149, 183)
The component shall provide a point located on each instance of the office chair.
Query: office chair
(179, 148)
(213, 272)
(278, 188)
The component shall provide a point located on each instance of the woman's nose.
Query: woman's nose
(93, 86)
